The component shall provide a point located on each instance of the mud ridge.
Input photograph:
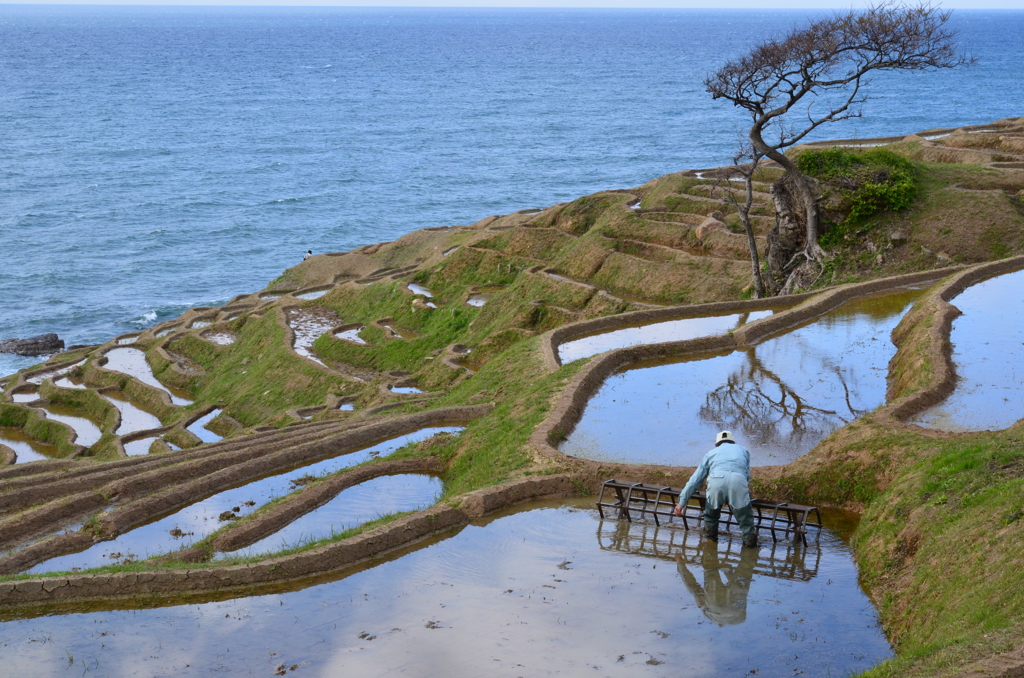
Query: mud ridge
(940, 350)
(313, 497)
(330, 557)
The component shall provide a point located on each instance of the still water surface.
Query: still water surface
(988, 354)
(780, 397)
(548, 589)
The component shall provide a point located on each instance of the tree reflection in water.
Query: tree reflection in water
(768, 412)
(781, 396)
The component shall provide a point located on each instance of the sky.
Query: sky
(628, 4)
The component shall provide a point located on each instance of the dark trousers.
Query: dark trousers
(744, 516)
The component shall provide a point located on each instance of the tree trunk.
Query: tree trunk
(748, 180)
(803, 187)
(786, 239)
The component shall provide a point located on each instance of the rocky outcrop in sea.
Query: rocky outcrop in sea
(44, 344)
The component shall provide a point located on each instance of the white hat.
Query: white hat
(724, 437)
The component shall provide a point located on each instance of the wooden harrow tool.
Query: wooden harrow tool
(779, 518)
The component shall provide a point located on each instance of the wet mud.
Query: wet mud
(132, 361)
(352, 507)
(988, 355)
(654, 333)
(779, 397)
(547, 589)
(186, 526)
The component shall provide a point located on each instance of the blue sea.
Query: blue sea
(157, 158)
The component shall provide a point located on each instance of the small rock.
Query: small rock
(708, 226)
(716, 215)
(879, 260)
(44, 344)
(944, 258)
(897, 237)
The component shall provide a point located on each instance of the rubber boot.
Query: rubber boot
(745, 518)
(711, 516)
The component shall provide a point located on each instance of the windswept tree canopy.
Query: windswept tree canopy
(831, 57)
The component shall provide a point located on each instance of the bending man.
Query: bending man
(727, 469)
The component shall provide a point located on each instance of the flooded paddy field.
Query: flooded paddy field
(86, 430)
(545, 589)
(132, 361)
(199, 430)
(350, 508)
(309, 324)
(988, 352)
(25, 447)
(133, 417)
(780, 397)
(140, 446)
(654, 333)
(188, 525)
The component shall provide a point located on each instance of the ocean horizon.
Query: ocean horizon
(159, 158)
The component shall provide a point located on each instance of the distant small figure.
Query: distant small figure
(308, 254)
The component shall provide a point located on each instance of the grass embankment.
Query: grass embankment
(941, 552)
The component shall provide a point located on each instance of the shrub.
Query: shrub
(869, 182)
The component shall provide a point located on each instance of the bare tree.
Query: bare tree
(827, 61)
(746, 170)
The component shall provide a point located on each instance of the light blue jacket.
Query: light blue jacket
(722, 465)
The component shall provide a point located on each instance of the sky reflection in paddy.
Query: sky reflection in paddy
(548, 591)
(780, 397)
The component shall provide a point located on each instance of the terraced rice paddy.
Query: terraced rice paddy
(654, 333)
(543, 590)
(192, 523)
(25, 447)
(780, 397)
(352, 507)
(132, 361)
(988, 353)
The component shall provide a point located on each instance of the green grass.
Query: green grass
(943, 548)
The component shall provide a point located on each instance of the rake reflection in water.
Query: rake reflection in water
(722, 602)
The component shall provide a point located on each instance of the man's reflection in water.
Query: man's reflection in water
(724, 603)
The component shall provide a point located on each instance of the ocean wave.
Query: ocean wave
(144, 320)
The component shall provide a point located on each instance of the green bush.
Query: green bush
(871, 181)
